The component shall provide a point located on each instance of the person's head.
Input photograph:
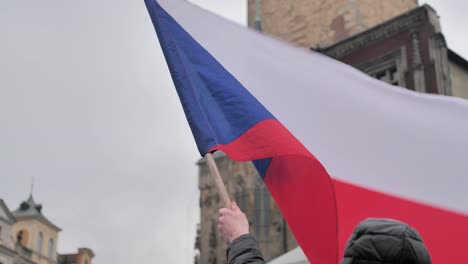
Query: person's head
(376, 241)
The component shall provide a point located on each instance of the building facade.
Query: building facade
(35, 232)
(408, 51)
(398, 42)
(6, 224)
(9, 252)
(395, 41)
(309, 23)
(27, 237)
(458, 75)
(84, 256)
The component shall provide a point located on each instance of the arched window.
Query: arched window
(40, 238)
(51, 248)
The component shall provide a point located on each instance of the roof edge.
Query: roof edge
(382, 26)
(455, 57)
(11, 218)
(41, 219)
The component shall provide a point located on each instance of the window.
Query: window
(389, 75)
(51, 248)
(22, 237)
(390, 68)
(40, 238)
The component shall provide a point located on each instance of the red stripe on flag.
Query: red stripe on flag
(268, 138)
(304, 193)
(298, 183)
(302, 190)
(445, 233)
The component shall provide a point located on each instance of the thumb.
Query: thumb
(234, 206)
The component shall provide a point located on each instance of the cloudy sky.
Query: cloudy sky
(88, 109)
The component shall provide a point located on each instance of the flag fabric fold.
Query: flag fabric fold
(223, 115)
(391, 152)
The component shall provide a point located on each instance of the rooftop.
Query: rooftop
(29, 209)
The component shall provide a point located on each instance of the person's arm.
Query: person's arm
(243, 250)
(234, 229)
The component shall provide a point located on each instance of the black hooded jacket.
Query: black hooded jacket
(382, 241)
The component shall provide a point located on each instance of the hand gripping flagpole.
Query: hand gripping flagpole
(218, 180)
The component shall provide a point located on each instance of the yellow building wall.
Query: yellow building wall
(459, 77)
(85, 259)
(33, 227)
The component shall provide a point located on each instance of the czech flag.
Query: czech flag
(378, 150)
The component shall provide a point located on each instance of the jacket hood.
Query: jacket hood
(376, 241)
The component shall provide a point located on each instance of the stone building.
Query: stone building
(6, 224)
(27, 236)
(458, 67)
(310, 23)
(84, 256)
(395, 41)
(35, 232)
(386, 39)
(245, 187)
(9, 254)
(409, 51)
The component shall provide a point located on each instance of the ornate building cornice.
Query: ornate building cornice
(406, 21)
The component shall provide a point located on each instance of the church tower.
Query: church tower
(313, 23)
(34, 233)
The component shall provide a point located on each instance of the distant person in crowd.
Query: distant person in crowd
(374, 241)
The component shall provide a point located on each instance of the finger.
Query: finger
(225, 211)
(234, 206)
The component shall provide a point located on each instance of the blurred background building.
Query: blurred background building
(245, 187)
(27, 236)
(395, 41)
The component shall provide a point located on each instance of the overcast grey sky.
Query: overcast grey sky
(88, 109)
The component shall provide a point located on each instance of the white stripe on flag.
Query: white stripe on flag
(362, 130)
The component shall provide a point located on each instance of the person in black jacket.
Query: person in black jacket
(374, 241)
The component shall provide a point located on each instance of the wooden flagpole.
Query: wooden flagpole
(218, 181)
